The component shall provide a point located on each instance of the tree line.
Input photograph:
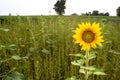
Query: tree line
(96, 13)
(60, 7)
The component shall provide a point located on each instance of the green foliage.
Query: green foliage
(16, 57)
(46, 42)
(9, 47)
(3, 29)
(118, 11)
(60, 6)
(72, 78)
(83, 63)
(14, 76)
(95, 13)
(77, 55)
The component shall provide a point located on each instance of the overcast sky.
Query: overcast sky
(45, 7)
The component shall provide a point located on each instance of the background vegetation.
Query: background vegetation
(47, 42)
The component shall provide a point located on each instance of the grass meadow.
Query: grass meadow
(46, 42)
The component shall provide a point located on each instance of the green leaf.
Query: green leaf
(15, 76)
(16, 57)
(79, 62)
(72, 78)
(113, 51)
(90, 68)
(83, 71)
(99, 72)
(31, 49)
(3, 29)
(91, 55)
(45, 51)
(2, 46)
(26, 57)
(77, 55)
(12, 47)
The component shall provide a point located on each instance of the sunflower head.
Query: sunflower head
(88, 35)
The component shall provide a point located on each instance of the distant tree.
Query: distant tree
(106, 14)
(101, 14)
(88, 13)
(74, 14)
(95, 13)
(60, 6)
(118, 11)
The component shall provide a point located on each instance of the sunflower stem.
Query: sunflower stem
(86, 64)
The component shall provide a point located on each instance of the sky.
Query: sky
(45, 7)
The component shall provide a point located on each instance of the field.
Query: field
(38, 47)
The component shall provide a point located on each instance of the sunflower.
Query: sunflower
(88, 35)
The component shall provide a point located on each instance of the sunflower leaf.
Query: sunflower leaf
(90, 68)
(99, 72)
(77, 55)
(72, 78)
(83, 71)
(15, 76)
(90, 56)
(16, 57)
(79, 62)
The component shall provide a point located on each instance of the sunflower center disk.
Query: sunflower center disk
(88, 36)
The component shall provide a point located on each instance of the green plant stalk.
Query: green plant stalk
(86, 64)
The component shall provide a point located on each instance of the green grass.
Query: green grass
(47, 40)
